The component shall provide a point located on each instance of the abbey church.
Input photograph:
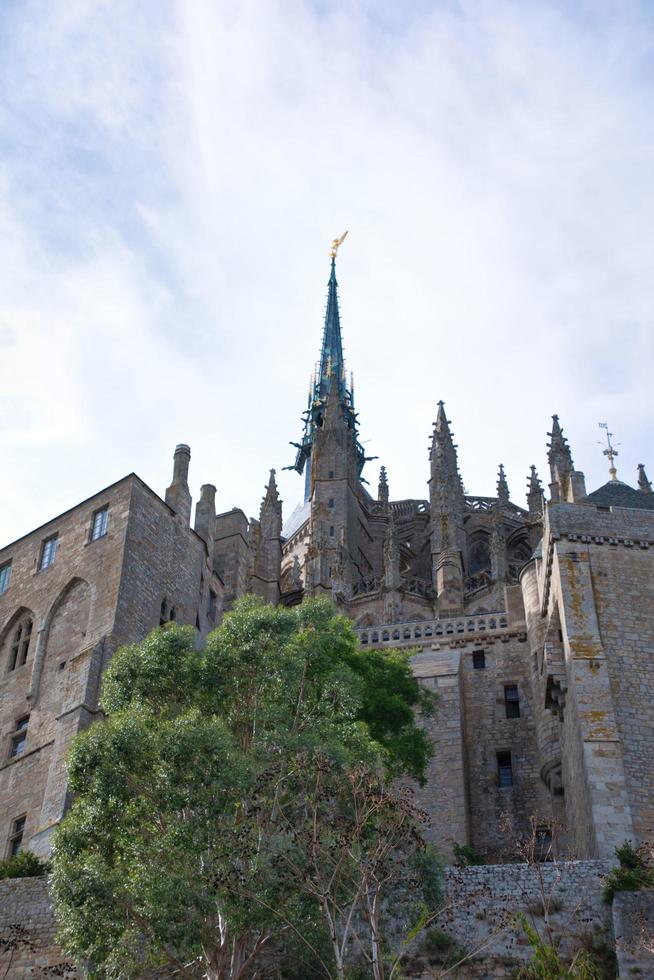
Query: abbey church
(534, 623)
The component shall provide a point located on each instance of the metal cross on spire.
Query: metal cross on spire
(610, 452)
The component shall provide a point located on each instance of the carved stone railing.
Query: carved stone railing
(433, 629)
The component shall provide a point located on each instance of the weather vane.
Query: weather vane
(610, 452)
(336, 244)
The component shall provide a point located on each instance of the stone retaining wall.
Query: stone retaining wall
(27, 933)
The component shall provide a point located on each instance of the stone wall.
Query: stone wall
(27, 933)
(482, 903)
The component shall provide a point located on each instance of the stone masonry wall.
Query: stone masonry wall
(482, 904)
(27, 933)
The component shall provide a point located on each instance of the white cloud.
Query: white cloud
(175, 175)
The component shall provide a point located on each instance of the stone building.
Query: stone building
(534, 624)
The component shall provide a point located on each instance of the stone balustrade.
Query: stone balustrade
(433, 629)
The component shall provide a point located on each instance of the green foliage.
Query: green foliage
(466, 856)
(547, 963)
(189, 832)
(634, 872)
(25, 864)
(441, 948)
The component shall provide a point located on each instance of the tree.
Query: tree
(198, 787)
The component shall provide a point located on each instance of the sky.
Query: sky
(171, 177)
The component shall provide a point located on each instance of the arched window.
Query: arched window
(19, 642)
(479, 556)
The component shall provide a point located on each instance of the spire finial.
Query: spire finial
(610, 452)
(643, 483)
(336, 244)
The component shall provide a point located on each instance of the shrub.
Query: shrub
(25, 864)
(634, 872)
(466, 856)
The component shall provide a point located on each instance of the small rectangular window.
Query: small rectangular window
(504, 770)
(331, 501)
(99, 523)
(19, 737)
(331, 531)
(48, 552)
(5, 574)
(331, 474)
(511, 701)
(16, 836)
(478, 659)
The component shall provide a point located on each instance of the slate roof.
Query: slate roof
(618, 494)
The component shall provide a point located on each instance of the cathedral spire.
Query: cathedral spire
(332, 364)
(329, 380)
(644, 484)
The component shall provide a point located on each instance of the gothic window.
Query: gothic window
(504, 770)
(5, 574)
(16, 836)
(519, 553)
(19, 737)
(99, 523)
(479, 556)
(20, 643)
(48, 552)
(511, 701)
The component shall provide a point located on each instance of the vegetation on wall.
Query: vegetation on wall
(25, 864)
(234, 811)
(635, 870)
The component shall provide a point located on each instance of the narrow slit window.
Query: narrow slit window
(16, 836)
(5, 575)
(511, 701)
(504, 770)
(19, 737)
(99, 523)
(48, 552)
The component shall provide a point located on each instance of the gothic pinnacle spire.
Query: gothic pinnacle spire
(558, 448)
(534, 493)
(644, 484)
(502, 486)
(382, 489)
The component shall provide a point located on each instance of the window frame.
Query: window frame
(19, 737)
(16, 836)
(505, 764)
(511, 702)
(49, 547)
(478, 659)
(104, 525)
(5, 576)
(20, 643)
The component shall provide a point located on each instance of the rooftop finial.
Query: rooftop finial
(336, 244)
(610, 452)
